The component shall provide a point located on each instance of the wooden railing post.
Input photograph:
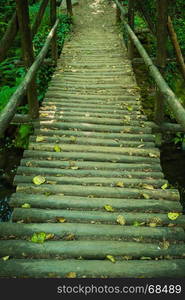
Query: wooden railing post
(178, 52)
(8, 37)
(53, 17)
(39, 17)
(22, 9)
(69, 7)
(118, 14)
(131, 6)
(161, 28)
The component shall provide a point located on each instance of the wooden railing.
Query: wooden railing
(21, 22)
(163, 91)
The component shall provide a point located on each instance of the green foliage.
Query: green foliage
(139, 22)
(21, 140)
(7, 7)
(5, 94)
(179, 138)
(38, 237)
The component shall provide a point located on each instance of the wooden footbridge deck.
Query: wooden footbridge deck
(91, 198)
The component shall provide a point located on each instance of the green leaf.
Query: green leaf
(5, 258)
(136, 223)
(164, 186)
(26, 205)
(38, 180)
(130, 108)
(38, 237)
(111, 258)
(57, 148)
(109, 208)
(173, 215)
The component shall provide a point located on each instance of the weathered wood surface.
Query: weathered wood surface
(102, 191)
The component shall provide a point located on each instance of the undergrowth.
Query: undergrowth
(12, 71)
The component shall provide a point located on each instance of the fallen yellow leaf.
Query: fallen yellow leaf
(26, 205)
(108, 208)
(148, 186)
(164, 245)
(127, 257)
(38, 180)
(130, 108)
(146, 196)
(152, 224)
(39, 139)
(57, 148)
(153, 155)
(164, 186)
(71, 275)
(173, 215)
(121, 220)
(136, 223)
(49, 236)
(43, 115)
(61, 220)
(111, 258)
(5, 258)
(119, 184)
(69, 237)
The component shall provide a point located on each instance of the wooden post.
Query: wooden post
(8, 37)
(161, 28)
(39, 17)
(27, 48)
(53, 17)
(176, 46)
(131, 6)
(69, 7)
(118, 14)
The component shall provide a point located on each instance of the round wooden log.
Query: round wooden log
(127, 136)
(96, 157)
(51, 215)
(98, 191)
(52, 171)
(87, 249)
(94, 181)
(75, 202)
(89, 165)
(93, 231)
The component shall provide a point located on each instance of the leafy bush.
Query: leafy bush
(12, 73)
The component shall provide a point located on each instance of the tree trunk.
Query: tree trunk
(27, 48)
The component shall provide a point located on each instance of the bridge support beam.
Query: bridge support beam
(27, 49)
(53, 17)
(131, 6)
(162, 20)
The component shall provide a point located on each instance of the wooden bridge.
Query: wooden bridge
(91, 198)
